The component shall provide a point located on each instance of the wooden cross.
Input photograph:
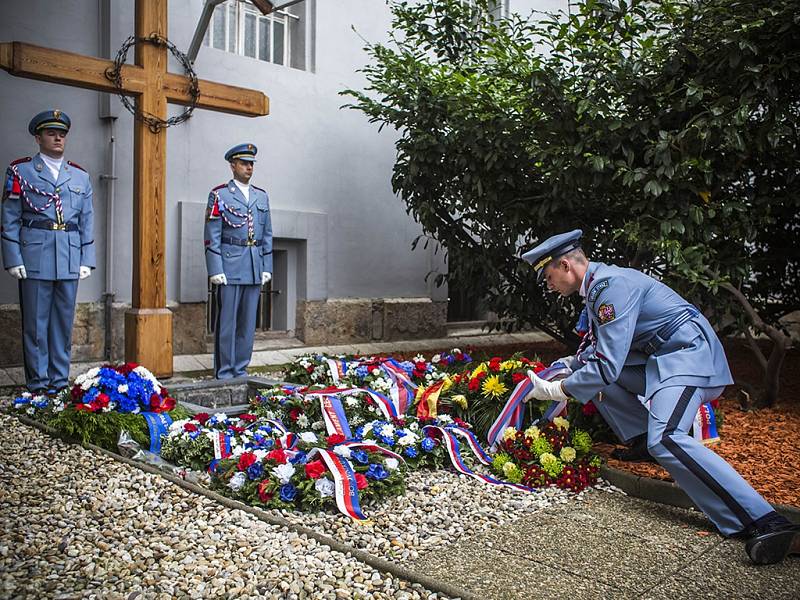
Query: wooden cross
(148, 324)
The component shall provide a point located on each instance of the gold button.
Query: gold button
(58, 189)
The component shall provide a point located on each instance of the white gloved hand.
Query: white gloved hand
(569, 361)
(18, 272)
(545, 390)
(85, 272)
(218, 279)
(266, 277)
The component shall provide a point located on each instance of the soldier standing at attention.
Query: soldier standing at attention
(48, 244)
(650, 343)
(238, 240)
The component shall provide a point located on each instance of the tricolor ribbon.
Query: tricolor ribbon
(345, 486)
(158, 425)
(337, 368)
(453, 450)
(222, 448)
(277, 424)
(288, 441)
(705, 425)
(333, 415)
(403, 390)
(384, 404)
(52, 198)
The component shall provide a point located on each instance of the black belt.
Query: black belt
(48, 224)
(240, 242)
(661, 336)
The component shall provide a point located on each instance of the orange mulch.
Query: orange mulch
(763, 446)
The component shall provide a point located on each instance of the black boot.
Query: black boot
(774, 540)
(635, 452)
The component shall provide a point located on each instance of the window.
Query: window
(279, 38)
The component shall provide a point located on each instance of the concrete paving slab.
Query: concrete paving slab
(270, 357)
(76, 369)
(5, 378)
(598, 541)
(492, 572)
(186, 362)
(205, 360)
(726, 572)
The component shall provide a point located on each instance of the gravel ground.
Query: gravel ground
(80, 525)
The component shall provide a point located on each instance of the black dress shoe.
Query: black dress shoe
(773, 543)
(635, 452)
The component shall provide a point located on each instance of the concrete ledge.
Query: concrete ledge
(667, 492)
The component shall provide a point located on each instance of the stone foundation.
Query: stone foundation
(88, 331)
(354, 320)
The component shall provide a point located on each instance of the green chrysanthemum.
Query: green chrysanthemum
(551, 465)
(500, 461)
(567, 454)
(512, 472)
(582, 441)
(541, 446)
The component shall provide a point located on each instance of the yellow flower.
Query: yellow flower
(547, 459)
(460, 400)
(510, 433)
(481, 368)
(492, 386)
(509, 467)
(510, 365)
(532, 432)
(448, 383)
(568, 454)
(561, 423)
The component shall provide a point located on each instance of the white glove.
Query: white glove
(545, 390)
(85, 272)
(266, 277)
(18, 272)
(218, 279)
(569, 361)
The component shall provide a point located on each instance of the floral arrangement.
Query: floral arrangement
(553, 455)
(102, 403)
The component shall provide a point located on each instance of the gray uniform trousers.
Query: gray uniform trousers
(712, 484)
(233, 345)
(48, 308)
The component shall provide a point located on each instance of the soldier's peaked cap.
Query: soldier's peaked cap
(49, 119)
(550, 249)
(246, 152)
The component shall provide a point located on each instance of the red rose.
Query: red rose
(190, 427)
(460, 423)
(202, 418)
(494, 364)
(336, 438)
(168, 403)
(278, 455)
(263, 494)
(294, 414)
(361, 481)
(248, 418)
(102, 400)
(310, 369)
(517, 377)
(537, 367)
(245, 460)
(76, 392)
(85, 407)
(589, 409)
(482, 375)
(315, 469)
(236, 429)
(474, 384)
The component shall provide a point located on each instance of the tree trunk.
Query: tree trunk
(780, 344)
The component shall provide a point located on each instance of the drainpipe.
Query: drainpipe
(108, 113)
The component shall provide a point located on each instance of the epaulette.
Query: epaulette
(76, 165)
(255, 187)
(595, 290)
(21, 160)
(219, 187)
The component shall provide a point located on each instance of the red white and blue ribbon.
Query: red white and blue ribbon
(403, 390)
(705, 425)
(453, 450)
(222, 448)
(512, 413)
(333, 415)
(337, 368)
(386, 406)
(287, 441)
(52, 198)
(345, 486)
(472, 442)
(277, 424)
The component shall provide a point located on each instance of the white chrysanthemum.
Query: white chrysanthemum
(352, 401)
(260, 453)
(302, 421)
(325, 487)
(419, 358)
(391, 463)
(446, 419)
(237, 481)
(387, 430)
(122, 388)
(357, 420)
(177, 426)
(317, 425)
(414, 427)
(284, 472)
(221, 417)
(436, 358)
(309, 437)
(342, 451)
(409, 439)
